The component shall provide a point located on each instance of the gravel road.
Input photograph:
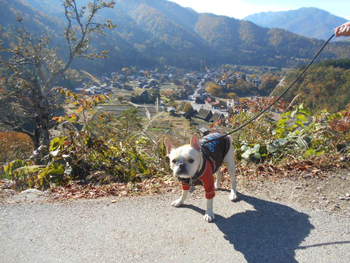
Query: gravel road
(148, 229)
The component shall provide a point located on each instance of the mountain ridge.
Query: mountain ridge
(306, 21)
(158, 33)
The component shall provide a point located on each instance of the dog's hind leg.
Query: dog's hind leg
(232, 171)
(218, 180)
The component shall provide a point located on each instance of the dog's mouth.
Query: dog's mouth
(182, 173)
(183, 176)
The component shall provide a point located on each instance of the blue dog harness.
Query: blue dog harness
(216, 149)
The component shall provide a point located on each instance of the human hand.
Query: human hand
(343, 30)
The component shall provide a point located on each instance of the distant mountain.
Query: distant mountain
(36, 20)
(152, 33)
(307, 21)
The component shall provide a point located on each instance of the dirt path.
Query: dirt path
(330, 194)
(283, 221)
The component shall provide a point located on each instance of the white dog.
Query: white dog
(199, 160)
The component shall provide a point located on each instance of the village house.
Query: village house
(204, 114)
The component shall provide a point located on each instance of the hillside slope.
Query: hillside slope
(325, 86)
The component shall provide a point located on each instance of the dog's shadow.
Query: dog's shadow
(270, 233)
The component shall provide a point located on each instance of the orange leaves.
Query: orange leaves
(341, 123)
(67, 92)
(88, 102)
(15, 136)
(80, 109)
(71, 118)
(81, 99)
(81, 102)
(15, 145)
(59, 119)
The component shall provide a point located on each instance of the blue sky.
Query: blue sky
(242, 8)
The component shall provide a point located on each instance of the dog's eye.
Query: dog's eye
(190, 160)
(174, 161)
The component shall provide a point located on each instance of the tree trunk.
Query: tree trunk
(42, 119)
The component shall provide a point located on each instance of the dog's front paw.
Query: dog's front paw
(209, 217)
(233, 195)
(177, 203)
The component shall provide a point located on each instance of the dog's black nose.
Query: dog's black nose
(181, 169)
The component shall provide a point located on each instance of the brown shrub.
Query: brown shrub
(15, 145)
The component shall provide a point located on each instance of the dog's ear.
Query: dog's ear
(168, 145)
(195, 142)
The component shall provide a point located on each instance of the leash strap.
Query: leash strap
(279, 97)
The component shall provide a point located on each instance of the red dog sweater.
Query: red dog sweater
(207, 180)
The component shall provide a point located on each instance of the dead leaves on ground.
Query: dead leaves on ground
(313, 168)
(158, 185)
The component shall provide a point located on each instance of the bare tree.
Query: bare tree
(31, 67)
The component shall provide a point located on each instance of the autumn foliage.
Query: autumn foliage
(15, 145)
(342, 123)
(325, 86)
(214, 89)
